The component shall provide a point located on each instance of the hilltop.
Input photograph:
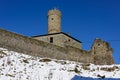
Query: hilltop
(18, 66)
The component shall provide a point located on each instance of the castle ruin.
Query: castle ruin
(57, 44)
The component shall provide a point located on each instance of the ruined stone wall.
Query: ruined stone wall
(102, 52)
(23, 44)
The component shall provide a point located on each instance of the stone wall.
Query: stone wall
(26, 45)
(23, 44)
(30, 46)
(80, 55)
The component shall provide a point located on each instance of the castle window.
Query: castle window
(51, 18)
(94, 52)
(69, 40)
(51, 39)
(98, 44)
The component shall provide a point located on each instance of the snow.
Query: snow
(18, 66)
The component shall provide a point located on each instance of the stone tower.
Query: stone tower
(102, 52)
(54, 21)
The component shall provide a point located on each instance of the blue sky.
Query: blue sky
(83, 19)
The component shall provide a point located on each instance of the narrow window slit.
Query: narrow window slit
(51, 39)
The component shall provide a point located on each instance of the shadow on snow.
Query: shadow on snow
(88, 78)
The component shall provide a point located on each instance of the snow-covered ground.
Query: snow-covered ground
(18, 66)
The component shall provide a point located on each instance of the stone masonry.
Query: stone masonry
(100, 53)
(54, 21)
(59, 39)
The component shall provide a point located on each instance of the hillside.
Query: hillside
(18, 66)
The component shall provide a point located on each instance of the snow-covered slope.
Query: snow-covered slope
(18, 66)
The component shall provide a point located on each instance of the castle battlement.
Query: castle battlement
(54, 11)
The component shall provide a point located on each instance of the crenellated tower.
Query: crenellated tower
(54, 21)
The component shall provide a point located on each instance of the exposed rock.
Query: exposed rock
(101, 76)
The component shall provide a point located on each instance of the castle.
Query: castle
(57, 44)
(55, 36)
